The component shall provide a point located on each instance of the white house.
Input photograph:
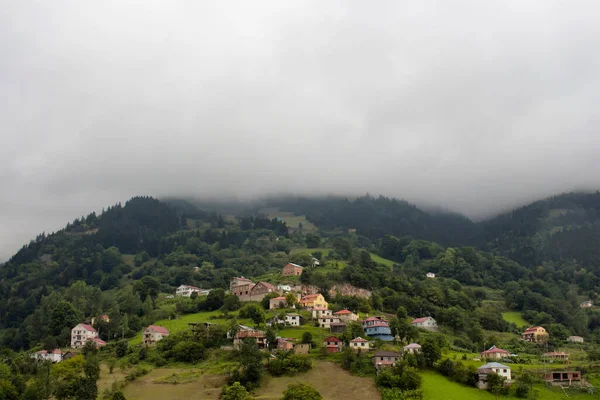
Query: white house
(187, 290)
(284, 288)
(54, 356)
(430, 275)
(292, 319)
(425, 323)
(318, 312)
(359, 344)
(490, 368)
(326, 321)
(81, 334)
(153, 334)
(412, 348)
(575, 339)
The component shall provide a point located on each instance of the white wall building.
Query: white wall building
(81, 334)
(187, 290)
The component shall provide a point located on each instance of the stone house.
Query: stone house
(291, 269)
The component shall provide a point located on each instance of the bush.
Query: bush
(139, 371)
(301, 391)
(522, 391)
(290, 364)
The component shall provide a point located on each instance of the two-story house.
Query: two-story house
(385, 359)
(259, 336)
(346, 315)
(535, 334)
(318, 312)
(291, 269)
(81, 333)
(186, 290)
(377, 328)
(326, 321)
(333, 344)
(292, 319)
(427, 323)
(153, 334)
(313, 300)
(277, 302)
(489, 368)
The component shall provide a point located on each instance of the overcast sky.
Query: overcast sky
(472, 105)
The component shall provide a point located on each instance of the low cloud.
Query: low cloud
(475, 106)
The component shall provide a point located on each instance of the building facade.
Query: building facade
(291, 269)
(153, 334)
(427, 323)
(81, 333)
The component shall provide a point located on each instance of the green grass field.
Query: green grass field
(515, 317)
(292, 221)
(381, 260)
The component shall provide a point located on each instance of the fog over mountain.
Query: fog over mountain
(471, 106)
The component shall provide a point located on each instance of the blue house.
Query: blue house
(377, 328)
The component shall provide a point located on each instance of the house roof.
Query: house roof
(56, 351)
(88, 327)
(413, 346)
(42, 352)
(492, 365)
(311, 296)
(495, 349)
(158, 329)
(342, 312)
(278, 298)
(265, 284)
(255, 334)
(386, 354)
(418, 320)
(332, 339)
(292, 315)
(320, 308)
(384, 362)
(358, 339)
(98, 341)
(371, 319)
(575, 337)
(533, 329)
(190, 286)
(241, 278)
(294, 265)
(378, 324)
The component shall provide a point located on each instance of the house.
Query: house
(492, 368)
(291, 269)
(315, 262)
(246, 290)
(560, 378)
(337, 327)
(186, 290)
(346, 315)
(385, 359)
(313, 300)
(378, 329)
(293, 319)
(575, 339)
(586, 304)
(427, 323)
(430, 275)
(535, 334)
(81, 333)
(371, 321)
(284, 288)
(259, 336)
(97, 342)
(494, 353)
(54, 356)
(301, 348)
(359, 344)
(318, 312)
(285, 345)
(326, 321)
(238, 281)
(412, 348)
(556, 355)
(277, 302)
(240, 328)
(196, 269)
(333, 345)
(153, 334)
(103, 317)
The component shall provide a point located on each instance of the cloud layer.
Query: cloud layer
(473, 106)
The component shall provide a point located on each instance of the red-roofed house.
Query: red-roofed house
(277, 302)
(425, 323)
(385, 359)
(81, 333)
(333, 344)
(259, 336)
(97, 341)
(346, 315)
(494, 353)
(153, 334)
(291, 269)
(283, 344)
(535, 334)
(318, 312)
(359, 344)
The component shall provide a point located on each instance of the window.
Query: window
(504, 371)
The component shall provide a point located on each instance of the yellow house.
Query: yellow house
(535, 334)
(314, 300)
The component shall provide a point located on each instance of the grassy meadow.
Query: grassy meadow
(515, 317)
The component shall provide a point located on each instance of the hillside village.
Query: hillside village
(222, 309)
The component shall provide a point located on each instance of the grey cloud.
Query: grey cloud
(473, 106)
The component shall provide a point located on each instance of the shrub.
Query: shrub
(290, 364)
(301, 391)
